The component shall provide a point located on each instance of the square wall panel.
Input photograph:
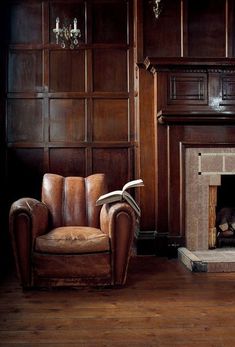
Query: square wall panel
(67, 161)
(25, 71)
(25, 23)
(205, 39)
(110, 120)
(67, 71)
(24, 120)
(110, 70)
(67, 120)
(114, 162)
(107, 17)
(162, 37)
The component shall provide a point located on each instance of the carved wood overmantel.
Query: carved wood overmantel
(194, 90)
(194, 104)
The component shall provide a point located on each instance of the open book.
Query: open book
(122, 195)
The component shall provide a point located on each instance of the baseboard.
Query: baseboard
(146, 242)
(150, 242)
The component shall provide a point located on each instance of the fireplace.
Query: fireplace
(205, 168)
(209, 176)
(225, 212)
(194, 106)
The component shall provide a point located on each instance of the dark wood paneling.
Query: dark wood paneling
(107, 17)
(186, 28)
(206, 28)
(67, 120)
(228, 88)
(24, 120)
(67, 11)
(110, 120)
(146, 160)
(187, 88)
(162, 174)
(67, 161)
(100, 70)
(67, 71)
(22, 17)
(25, 71)
(195, 29)
(175, 180)
(231, 28)
(4, 249)
(115, 163)
(110, 70)
(193, 97)
(70, 111)
(162, 36)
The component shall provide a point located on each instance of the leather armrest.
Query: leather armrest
(36, 212)
(28, 218)
(119, 221)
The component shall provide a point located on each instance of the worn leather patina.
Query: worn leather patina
(65, 239)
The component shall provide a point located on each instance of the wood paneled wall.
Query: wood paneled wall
(185, 32)
(73, 111)
(69, 111)
(186, 28)
(3, 195)
(66, 111)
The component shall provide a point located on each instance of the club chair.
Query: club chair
(66, 240)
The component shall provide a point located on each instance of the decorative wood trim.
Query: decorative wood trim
(230, 9)
(192, 117)
(213, 64)
(226, 29)
(212, 217)
(184, 14)
(187, 88)
(138, 29)
(228, 87)
(182, 28)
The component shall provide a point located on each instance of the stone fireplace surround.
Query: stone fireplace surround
(203, 168)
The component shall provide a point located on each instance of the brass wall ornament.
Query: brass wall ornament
(157, 8)
(66, 34)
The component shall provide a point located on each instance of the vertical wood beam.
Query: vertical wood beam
(212, 217)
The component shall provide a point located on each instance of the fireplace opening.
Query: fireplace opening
(225, 212)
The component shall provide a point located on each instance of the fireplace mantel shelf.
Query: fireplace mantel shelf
(154, 64)
(199, 117)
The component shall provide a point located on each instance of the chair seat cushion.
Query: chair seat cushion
(73, 239)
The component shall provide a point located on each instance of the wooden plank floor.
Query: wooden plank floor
(163, 304)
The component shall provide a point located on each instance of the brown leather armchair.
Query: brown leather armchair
(66, 239)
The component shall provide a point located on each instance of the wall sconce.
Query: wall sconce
(156, 8)
(67, 34)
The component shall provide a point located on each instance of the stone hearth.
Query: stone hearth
(214, 260)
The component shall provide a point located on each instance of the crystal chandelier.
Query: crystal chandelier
(67, 35)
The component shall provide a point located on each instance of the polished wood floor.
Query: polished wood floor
(163, 304)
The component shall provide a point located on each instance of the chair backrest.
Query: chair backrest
(71, 200)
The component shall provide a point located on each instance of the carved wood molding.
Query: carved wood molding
(209, 118)
(194, 91)
(153, 64)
